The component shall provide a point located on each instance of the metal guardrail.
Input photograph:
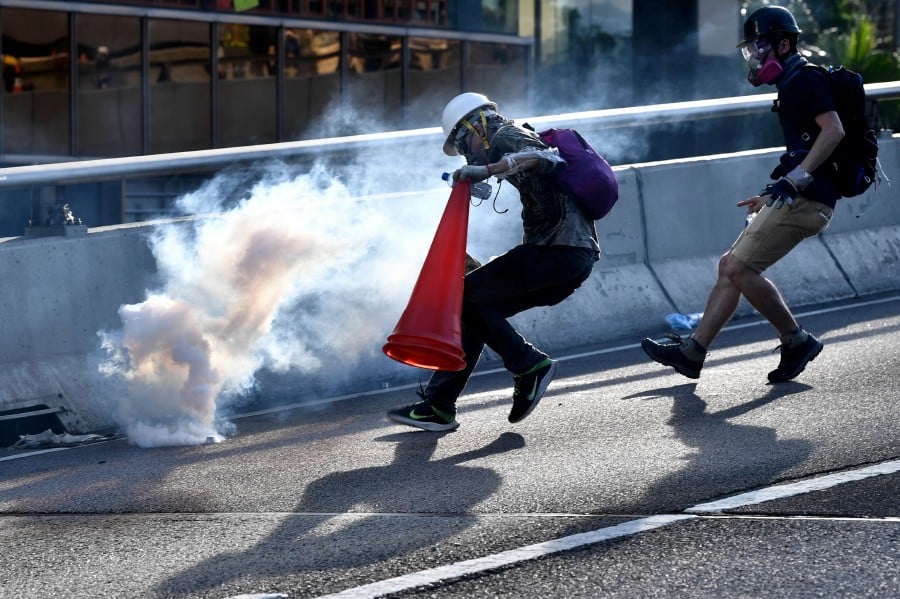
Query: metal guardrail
(113, 168)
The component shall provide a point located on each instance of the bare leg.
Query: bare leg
(765, 297)
(721, 304)
(736, 279)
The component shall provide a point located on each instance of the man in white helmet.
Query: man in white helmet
(558, 251)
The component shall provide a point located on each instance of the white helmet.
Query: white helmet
(456, 110)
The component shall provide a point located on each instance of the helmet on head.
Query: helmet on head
(769, 20)
(456, 110)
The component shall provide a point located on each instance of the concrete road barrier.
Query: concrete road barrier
(661, 244)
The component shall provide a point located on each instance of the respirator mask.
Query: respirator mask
(764, 67)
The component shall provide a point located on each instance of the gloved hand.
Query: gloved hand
(781, 192)
(471, 172)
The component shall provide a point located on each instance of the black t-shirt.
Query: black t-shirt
(802, 96)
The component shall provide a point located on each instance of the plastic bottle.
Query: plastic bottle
(481, 190)
(749, 219)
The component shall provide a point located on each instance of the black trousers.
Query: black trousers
(525, 277)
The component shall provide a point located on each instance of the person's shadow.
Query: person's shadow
(726, 456)
(348, 518)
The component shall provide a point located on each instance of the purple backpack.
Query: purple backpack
(588, 177)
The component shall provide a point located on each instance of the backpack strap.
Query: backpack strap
(825, 71)
(792, 74)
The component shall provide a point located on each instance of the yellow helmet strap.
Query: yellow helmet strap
(484, 128)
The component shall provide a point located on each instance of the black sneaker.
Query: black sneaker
(530, 388)
(670, 354)
(794, 359)
(423, 415)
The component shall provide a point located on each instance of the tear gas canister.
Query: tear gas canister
(481, 190)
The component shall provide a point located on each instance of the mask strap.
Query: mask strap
(483, 138)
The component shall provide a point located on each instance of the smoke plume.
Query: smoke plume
(298, 274)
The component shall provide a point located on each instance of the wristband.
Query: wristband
(488, 167)
(800, 178)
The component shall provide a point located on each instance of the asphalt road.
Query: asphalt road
(606, 490)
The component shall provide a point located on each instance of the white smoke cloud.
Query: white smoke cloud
(297, 269)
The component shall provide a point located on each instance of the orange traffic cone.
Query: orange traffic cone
(429, 333)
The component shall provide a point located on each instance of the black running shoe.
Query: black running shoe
(795, 359)
(530, 388)
(423, 415)
(670, 354)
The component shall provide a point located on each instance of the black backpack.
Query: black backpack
(854, 163)
(855, 160)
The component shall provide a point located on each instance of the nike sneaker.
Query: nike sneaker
(530, 388)
(425, 416)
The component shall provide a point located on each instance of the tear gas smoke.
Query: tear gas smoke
(299, 274)
(287, 270)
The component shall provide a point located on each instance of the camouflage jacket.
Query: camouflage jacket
(549, 215)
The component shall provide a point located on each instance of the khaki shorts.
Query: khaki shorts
(775, 231)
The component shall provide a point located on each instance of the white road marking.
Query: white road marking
(32, 453)
(530, 552)
(505, 558)
(608, 350)
(28, 454)
(826, 481)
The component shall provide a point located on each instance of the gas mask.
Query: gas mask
(764, 67)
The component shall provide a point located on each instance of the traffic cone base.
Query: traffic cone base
(425, 352)
(429, 333)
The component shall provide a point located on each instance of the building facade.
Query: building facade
(83, 80)
(115, 79)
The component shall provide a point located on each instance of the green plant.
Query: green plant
(845, 32)
(858, 50)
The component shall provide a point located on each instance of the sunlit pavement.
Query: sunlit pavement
(309, 501)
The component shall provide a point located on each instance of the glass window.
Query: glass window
(109, 85)
(431, 12)
(433, 79)
(501, 16)
(36, 81)
(500, 71)
(374, 90)
(580, 27)
(312, 79)
(247, 84)
(180, 60)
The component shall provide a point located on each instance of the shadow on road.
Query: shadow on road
(354, 518)
(726, 457)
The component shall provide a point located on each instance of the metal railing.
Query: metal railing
(114, 168)
(51, 215)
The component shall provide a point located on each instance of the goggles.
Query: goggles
(755, 50)
(465, 127)
(459, 141)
